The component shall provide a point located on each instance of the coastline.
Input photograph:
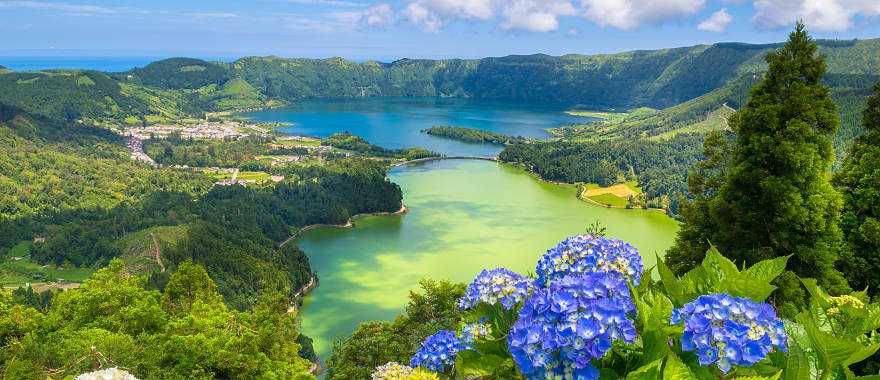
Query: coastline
(579, 190)
(348, 224)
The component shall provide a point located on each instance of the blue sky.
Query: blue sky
(388, 30)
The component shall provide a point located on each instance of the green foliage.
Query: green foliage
(472, 135)
(834, 333)
(44, 176)
(181, 73)
(375, 343)
(661, 166)
(210, 153)
(114, 321)
(347, 141)
(717, 274)
(775, 199)
(859, 183)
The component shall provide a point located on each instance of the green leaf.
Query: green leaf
(473, 364)
(774, 377)
(835, 351)
(742, 286)
(797, 366)
(766, 271)
(651, 371)
(670, 283)
(718, 266)
(675, 369)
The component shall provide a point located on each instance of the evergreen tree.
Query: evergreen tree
(704, 182)
(859, 182)
(776, 199)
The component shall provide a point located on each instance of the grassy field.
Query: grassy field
(615, 196)
(138, 248)
(609, 200)
(254, 176)
(294, 143)
(17, 269)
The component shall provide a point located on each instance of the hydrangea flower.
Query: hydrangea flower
(496, 286)
(562, 328)
(473, 331)
(728, 331)
(392, 371)
(589, 253)
(397, 371)
(438, 351)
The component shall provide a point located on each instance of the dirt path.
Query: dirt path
(157, 252)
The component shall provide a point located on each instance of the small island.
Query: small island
(471, 135)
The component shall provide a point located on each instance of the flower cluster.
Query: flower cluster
(727, 331)
(392, 371)
(471, 332)
(397, 371)
(496, 286)
(587, 254)
(575, 319)
(438, 351)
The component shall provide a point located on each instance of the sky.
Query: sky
(393, 29)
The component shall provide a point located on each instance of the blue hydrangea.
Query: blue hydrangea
(472, 332)
(563, 327)
(587, 254)
(438, 351)
(496, 286)
(728, 331)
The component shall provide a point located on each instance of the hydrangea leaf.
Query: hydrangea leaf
(718, 266)
(472, 364)
(766, 271)
(797, 366)
(675, 369)
(650, 371)
(742, 286)
(774, 377)
(670, 283)
(835, 351)
(654, 311)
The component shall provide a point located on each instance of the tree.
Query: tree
(776, 199)
(704, 182)
(859, 182)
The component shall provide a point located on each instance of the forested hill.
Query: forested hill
(656, 78)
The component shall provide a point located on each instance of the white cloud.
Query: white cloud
(535, 15)
(432, 15)
(717, 22)
(378, 16)
(531, 15)
(831, 15)
(630, 14)
(67, 8)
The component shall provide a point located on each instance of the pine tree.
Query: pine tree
(859, 182)
(776, 199)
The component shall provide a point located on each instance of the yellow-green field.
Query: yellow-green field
(294, 143)
(615, 196)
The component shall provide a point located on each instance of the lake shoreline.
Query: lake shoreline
(348, 224)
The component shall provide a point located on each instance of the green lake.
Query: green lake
(465, 215)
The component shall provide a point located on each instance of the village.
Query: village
(229, 130)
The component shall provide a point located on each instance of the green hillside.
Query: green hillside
(181, 73)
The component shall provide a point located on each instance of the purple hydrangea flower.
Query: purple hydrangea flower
(496, 286)
(587, 254)
(728, 331)
(563, 327)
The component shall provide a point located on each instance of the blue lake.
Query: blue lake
(398, 122)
